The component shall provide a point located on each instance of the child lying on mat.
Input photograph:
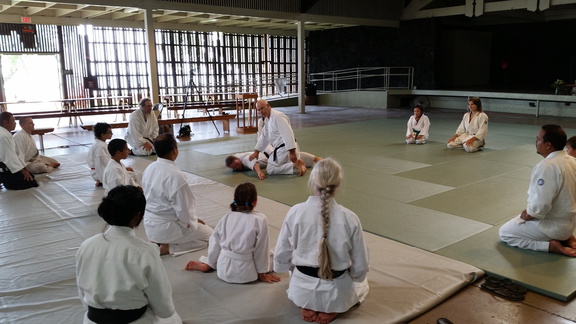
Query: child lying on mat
(239, 246)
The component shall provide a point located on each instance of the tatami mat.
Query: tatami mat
(549, 274)
(423, 195)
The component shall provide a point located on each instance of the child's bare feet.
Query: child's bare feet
(164, 249)
(309, 315)
(325, 318)
(198, 266)
(317, 159)
(268, 277)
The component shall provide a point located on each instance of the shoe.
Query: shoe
(508, 284)
(501, 291)
(443, 320)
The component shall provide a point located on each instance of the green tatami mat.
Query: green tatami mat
(481, 201)
(549, 274)
(426, 196)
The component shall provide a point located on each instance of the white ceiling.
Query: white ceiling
(182, 16)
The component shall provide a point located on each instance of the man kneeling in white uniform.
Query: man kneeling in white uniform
(548, 222)
(170, 219)
(27, 147)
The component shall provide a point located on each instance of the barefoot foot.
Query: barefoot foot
(199, 266)
(317, 159)
(571, 242)
(308, 315)
(164, 249)
(557, 247)
(325, 318)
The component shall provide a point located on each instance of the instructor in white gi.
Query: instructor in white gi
(170, 219)
(548, 222)
(277, 131)
(142, 129)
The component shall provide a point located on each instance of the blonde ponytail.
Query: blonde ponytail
(324, 261)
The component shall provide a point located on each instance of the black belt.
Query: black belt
(4, 168)
(115, 316)
(313, 272)
(266, 154)
(276, 149)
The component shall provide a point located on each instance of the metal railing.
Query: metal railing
(365, 78)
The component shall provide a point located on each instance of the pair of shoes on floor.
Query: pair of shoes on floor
(504, 288)
(443, 320)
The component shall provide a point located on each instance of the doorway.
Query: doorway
(30, 82)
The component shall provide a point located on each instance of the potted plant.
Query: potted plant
(557, 85)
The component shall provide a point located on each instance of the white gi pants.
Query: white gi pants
(459, 142)
(282, 164)
(524, 234)
(40, 164)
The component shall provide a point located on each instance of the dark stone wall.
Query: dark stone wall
(524, 57)
(413, 44)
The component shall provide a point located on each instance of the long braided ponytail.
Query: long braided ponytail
(324, 180)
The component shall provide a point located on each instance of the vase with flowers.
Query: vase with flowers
(557, 85)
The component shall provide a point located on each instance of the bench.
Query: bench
(40, 132)
(74, 114)
(171, 121)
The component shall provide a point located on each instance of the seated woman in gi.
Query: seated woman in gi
(324, 244)
(121, 278)
(471, 133)
(418, 125)
(239, 248)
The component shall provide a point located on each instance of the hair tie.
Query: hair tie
(246, 203)
(234, 202)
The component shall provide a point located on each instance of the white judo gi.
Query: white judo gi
(139, 130)
(239, 248)
(277, 132)
(9, 152)
(263, 159)
(116, 175)
(27, 146)
(477, 127)
(118, 270)
(299, 244)
(245, 159)
(419, 127)
(169, 216)
(552, 200)
(97, 159)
